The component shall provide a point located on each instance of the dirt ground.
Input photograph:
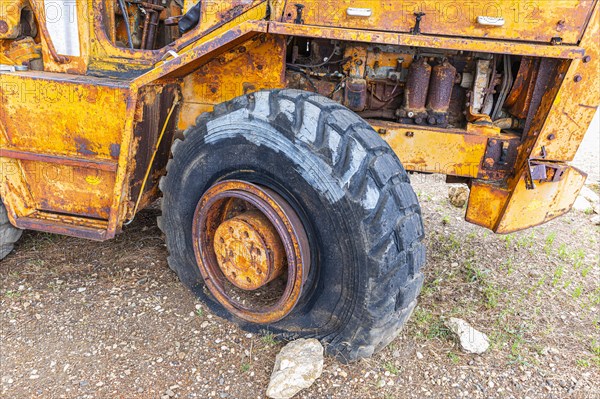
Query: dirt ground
(80, 319)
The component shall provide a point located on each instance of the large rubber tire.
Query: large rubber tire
(9, 234)
(347, 185)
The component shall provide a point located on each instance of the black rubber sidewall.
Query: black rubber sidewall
(336, 244)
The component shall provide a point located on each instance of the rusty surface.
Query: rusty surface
(10, 18)
(506, 210)
(108, 166)
(255, 64)
(499, 159)
(19, 52)
(443, 77)
(223, 204)
(154, 103)
(547, 79)
(524, 20)
(453, 152)
(356, 94)
(519, 97)
(450, 43)
(249, 250)
(417, 88)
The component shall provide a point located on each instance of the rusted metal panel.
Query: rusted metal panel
(64, 224)
(450, 43)
(217, 18)
(519, 20)
(154, 103)
(255, 64)
(453, 152)
(109, 166)
(69, 162)
(73, 17)
(66, 189)
(575, 104)
(506, 211)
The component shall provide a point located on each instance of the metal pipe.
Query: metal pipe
(123, 8)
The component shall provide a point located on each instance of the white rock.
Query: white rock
(582, 205)
(458, 195)
(297, 367)
(596, 220)
(592, 198)
(471, 340)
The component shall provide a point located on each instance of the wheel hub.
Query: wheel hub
(251, 249)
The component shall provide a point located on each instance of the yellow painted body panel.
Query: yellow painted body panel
(524, 20)
(505, 211)
(420, 148)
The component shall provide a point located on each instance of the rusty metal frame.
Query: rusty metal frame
(449, 43)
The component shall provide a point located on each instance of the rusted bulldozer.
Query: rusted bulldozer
(280, 135)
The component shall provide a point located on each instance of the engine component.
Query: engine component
(442, 82)
(480, 84)
(417, 88)
(356, 94)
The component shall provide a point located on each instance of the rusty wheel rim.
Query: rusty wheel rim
(227, 206)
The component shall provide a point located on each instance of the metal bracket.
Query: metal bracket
(299, 10)
(543, 171)
(500, 156)
(416, 30)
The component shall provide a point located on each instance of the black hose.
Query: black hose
(123, 8)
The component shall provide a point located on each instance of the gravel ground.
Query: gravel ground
(81, 319)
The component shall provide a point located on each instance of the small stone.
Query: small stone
(343, 374)
(380, 384)
(170, 393)
(582, 205)
(297, 367)
(458, 196)
(592, 198)
(204, 324)
(595, 220)
(471, 340)
(82, 289)
(419, 355)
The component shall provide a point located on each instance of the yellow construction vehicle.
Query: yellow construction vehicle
(274, 132)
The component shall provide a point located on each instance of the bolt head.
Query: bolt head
(578, 78)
